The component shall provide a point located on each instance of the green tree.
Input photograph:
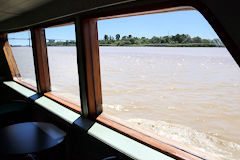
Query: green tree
(186, 38)
(105, 37)
(206, 41)
(124, 37)
(154, 40)
(132, 41)
(144, 40)
(166, 39)
(196, 40)
(111, 39)
(117, 37)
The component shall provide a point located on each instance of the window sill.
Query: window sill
(29, 86)
(74, 106)
(45, 102)
(120, 142)
(22, 89)
(57, 109)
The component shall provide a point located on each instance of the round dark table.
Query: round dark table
(29, 137)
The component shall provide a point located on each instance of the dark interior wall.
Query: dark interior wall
(78, 144)
(55, 9)
(227, 13)
(5, 73)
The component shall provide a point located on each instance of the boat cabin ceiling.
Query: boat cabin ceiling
(88, 136)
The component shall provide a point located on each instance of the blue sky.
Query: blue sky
(182, 22)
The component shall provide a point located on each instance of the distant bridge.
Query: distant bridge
(49, 40)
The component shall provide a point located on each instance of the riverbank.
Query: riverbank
(165, 45)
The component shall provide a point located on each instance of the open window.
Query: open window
(20, 56)
(170, 77)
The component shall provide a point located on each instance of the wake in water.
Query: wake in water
(209, 143)
(201, 141)
(188, 95)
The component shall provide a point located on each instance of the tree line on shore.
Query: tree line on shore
(178, 40)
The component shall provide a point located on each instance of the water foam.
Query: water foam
(117, 107)
(201, 141)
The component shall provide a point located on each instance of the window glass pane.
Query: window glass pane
(21, 46)
(168, 75)
(63, 62)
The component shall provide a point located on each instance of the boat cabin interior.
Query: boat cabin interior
(85, 132)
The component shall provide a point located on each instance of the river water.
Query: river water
(188, 95)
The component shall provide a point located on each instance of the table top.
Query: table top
(29, 137)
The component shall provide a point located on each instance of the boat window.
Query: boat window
(169, 76)
(62, 59)
(21, 46)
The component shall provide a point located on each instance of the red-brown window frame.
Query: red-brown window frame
(114, 123)
(12, 62)
(163, 145)
(42, 69)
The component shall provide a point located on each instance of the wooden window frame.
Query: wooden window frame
(25, 84)
(68, 103)
(16, 76)
(40, 57)
(89, 67)
(163, 145)
(42, 68)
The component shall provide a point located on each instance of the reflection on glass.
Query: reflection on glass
(22, 51)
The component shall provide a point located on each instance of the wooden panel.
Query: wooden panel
(89, 67)
(40, 60)
(81, 67)
(93, 31)
(9, 56)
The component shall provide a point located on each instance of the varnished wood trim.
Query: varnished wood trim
(162, 144)
(40, 60)
(96, 65)
(88, 59)
(29, 86)
(74, 106)
(5, 46)
(12, 63)
(81, 67)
